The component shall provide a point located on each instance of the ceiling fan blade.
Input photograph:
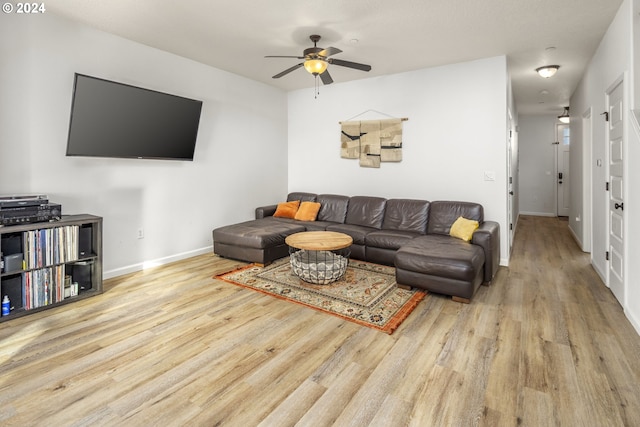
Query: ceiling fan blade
(287, 71)
(329, 51)
(349, 64)
(280, 56)
(326, 78)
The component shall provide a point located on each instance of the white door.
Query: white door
(616, 191)
(510, 198)
(562, 169)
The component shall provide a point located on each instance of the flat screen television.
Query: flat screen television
(110, 119)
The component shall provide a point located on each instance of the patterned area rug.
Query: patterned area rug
(367, 294)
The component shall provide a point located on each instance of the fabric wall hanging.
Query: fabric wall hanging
(372, 141)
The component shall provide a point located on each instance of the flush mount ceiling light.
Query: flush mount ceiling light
(547, 71)
(564, 117)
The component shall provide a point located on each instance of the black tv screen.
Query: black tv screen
(110, 119)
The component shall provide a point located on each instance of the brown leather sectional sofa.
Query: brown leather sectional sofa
(412, 235)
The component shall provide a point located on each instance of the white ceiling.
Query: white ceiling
(391, 36)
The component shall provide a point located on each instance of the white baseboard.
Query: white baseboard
(600, 274)
(154, 263)
(633, 320)
(537, 213)
(577, 239)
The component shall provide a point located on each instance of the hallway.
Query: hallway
(579, 355)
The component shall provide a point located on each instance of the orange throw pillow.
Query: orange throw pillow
(308, 211)
(287, 209)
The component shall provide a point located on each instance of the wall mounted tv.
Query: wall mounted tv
(110, 119)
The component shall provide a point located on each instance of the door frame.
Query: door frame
(558, 146)
(512, 216)
(587, 204)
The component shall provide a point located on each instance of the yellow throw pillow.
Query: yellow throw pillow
(463, 228)
(287, 209)
(308, 211)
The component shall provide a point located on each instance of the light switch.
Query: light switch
(489, 176)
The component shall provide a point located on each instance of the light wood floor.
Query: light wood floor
(545, 344)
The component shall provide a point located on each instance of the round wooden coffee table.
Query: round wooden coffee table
(319, 257)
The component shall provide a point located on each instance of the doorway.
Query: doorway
(563, 149)
(512, 211)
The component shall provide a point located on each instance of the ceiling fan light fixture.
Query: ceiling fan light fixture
(547, 71)
(315, 66)
(564, 117)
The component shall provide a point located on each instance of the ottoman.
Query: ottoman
(441, 264)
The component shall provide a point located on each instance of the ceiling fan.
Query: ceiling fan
(316, 60)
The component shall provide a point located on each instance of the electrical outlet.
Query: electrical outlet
(140, 233)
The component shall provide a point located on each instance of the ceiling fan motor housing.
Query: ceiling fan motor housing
(312, 52)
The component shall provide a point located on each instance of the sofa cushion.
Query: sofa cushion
(285, 220)
(389, 239)
(357, 232)
(308, 225)
(442, 214)
(302, 196)
(333, 208)
(406, 214)
(366, 211)
(316, 225)
(441, 256)
(258, 233)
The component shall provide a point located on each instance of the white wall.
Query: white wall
(613, 60)
(243, 128)
(457, 129)
(632, 201)
(537, 192)
(580, 202)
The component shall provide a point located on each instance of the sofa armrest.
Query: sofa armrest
(488, 237)
(265, 211)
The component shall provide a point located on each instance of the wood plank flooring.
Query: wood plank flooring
(545, 345)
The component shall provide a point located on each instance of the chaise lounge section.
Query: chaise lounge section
(442, 263)
(412, 235)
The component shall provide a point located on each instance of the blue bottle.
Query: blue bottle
(6, 306)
